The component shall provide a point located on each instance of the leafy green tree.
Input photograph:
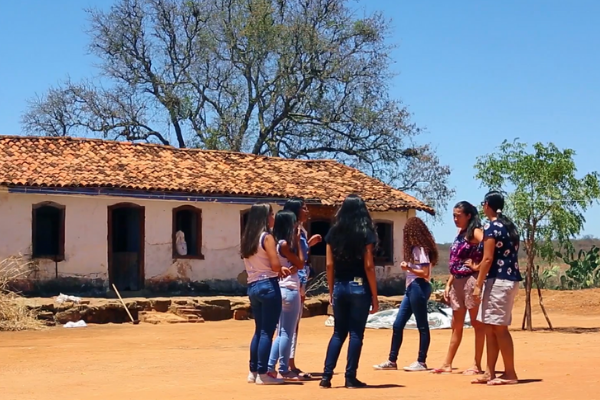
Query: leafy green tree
(294, 78)
(545, 199)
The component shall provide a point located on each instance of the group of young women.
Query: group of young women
(484, 282)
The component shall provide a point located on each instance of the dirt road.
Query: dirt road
(209, 361)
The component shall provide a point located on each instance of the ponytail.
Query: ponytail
(495, 201)
(513, 232)
(474, 223)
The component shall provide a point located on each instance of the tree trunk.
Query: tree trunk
(539, 290)
(528, 287)
(530, 249)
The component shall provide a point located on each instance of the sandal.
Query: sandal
(500, 381)
(472, 371)
(440, 371)
(481, 381)
(289, 376)
(301, 375)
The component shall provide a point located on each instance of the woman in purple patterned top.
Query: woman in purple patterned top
(461, 285)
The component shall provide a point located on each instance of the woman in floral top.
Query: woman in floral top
(461, 285)
(499, 269)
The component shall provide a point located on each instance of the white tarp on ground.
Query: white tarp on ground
(385, 320)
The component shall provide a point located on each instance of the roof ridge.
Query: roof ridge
(58, 161)
(163, 146)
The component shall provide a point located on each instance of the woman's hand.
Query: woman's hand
(374, 305)
(404, 266)
(477, 293)
(314, 239)
(331, 299)
(285, 271)
(447, 293)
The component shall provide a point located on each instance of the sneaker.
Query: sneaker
(416, 366)
(388, 365)
(268, 379)
(252, 377)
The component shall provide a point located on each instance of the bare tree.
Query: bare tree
(294, 78)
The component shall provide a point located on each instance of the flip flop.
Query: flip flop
(500, 382)
(290, 376)
(480, 381)
(440, 371)
(302, 375)
(472, 371)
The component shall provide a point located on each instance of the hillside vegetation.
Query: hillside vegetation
(444, 250)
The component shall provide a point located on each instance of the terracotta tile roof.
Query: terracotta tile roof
(70, 162)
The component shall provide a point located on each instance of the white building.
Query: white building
(90, 213)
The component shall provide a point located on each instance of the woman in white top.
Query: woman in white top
(288, 252)
(263, 267)
(420, 255)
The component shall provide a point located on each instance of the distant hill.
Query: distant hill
(444, 250)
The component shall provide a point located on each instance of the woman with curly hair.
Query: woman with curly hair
(420, 255)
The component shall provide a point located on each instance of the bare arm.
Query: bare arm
(330, 271)
(292, 257)
(421, 273)
(489, 246)
(271, 249)
(448, 288)
(370, 270)
(478, 236)
(300, 252)
(314, 239)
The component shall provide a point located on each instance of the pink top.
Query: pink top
(257, 265)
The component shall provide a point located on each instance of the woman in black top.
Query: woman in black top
(352, 285)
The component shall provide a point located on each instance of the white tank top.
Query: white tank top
(292, 281)
(257, 265)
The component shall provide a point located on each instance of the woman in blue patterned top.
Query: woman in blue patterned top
(298, 207)
(499, 270)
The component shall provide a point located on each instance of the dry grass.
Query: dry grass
(14, 315)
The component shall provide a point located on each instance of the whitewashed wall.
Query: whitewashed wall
(86, 232)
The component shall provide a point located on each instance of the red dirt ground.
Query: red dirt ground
(209, 361)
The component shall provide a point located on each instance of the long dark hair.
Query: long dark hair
(417, 234)
(495, 201)
(294, 205)
(351, 228)
(284, 228)
(474, 220)
(258, 222)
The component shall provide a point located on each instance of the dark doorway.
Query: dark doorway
(317, 252)
(126, 246)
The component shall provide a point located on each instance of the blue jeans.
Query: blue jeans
(351, 303)
(414, 302)
(288, 321)
(265, 300)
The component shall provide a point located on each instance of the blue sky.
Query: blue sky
(472, 72)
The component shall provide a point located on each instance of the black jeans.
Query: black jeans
(351, 303)
(265, 300)
(414, 302)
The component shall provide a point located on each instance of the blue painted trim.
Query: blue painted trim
(138, 194)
